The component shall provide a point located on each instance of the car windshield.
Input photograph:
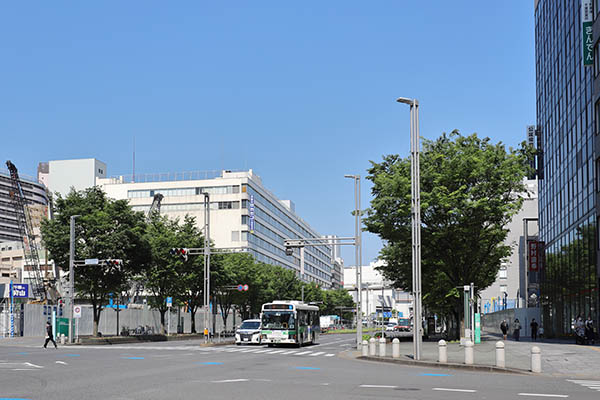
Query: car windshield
(250, 325)
(404, 321)
(278, 320)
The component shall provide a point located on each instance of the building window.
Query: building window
(502, 274)
(235, 236)
(503, 289)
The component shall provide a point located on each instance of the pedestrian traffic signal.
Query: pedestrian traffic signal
(114, 263)
(183, 252)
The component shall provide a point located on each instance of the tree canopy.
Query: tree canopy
(469, 192)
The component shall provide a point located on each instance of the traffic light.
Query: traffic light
(114, 263)
(289, 251)
(183, 252)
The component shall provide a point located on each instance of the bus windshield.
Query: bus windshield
(278, 320)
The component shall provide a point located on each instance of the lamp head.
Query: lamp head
(408, 101)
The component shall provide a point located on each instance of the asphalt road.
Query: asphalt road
(184, 370)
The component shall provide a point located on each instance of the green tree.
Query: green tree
(105, 229)
(335, 301)
(468, 195)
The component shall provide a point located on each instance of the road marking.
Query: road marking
(22, 369)
(543, 395)
(210, 363)
(33, 365)
(379, 386)
(317, 353)
(262, 351)
(133, 358)
(61, 362)
(304, 352)
(329, 355)
(307, 368)
(72, 355)
(290, 352)
(455, 390)
(277, 351)
(231, 380)
(435, 375)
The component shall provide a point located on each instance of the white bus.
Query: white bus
(289, 322)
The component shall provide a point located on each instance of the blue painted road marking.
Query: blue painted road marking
(210, 363)
(21, 354)
(435, 375)
(12, 398)
(72, 355)
(134, 358)
(307, 368)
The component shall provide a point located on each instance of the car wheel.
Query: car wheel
(239, 344)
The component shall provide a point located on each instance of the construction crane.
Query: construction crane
(30, 248)
(155, 207)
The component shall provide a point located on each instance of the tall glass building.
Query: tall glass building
(567, 126)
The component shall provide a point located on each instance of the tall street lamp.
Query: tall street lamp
(71, 275)
(416, 222)
(358, 249)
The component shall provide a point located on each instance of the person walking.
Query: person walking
(517, 329)
(579, 331)
(534, 329)
(589, 330)
(504, 328)
(49, 335)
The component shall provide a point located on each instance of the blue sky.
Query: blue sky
(301, 92)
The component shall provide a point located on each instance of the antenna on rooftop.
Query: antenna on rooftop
(133, 174)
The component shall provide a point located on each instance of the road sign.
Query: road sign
(92, 261)
(169, 302)
(77, 312)
(20, 290)
(245, 288)
(240, 288)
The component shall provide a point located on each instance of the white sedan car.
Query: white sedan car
(248, 332)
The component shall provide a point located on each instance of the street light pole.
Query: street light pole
(358, 250)
(206, 287)
(416, 221)
(71, 274)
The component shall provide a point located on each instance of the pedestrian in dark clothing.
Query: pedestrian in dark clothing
(49, 335)
(517, 329)
(504, 328)
(589, 330)
(534, 329)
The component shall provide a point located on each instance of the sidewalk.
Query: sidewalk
(559, 357)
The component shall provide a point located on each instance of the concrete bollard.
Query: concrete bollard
(396, 348)
(500, 358)
(442, 351)
(62, 339)
(536, 359)
(372, 347)
(365, 348)
(469, 352)
(382, 347)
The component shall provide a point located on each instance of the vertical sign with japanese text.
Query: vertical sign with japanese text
(533, 256)
(531, 142)
(251, 227)
(587, 21)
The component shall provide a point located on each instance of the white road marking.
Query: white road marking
(317, 353)
(543, 395)
(277, 351)
(24, 369)
(304, 352)
(231, 380)
(329, 355)
(33, 365)
(455, 390)
(379, 386)
(262, 351)
(62, 362)
(290, 352)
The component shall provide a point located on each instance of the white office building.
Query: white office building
(243, 214)
(62, 175)
(377, 292)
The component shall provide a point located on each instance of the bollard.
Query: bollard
(500, 359)
(469, 352)
(365, 348)
(372, 349)
(442, 351)
(396, 348)
(62, 339)
(536, 359)
(382, 347)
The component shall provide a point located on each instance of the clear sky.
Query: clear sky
(302, 92)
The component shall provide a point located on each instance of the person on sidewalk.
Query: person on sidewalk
(589, 330)
(517, 329)
(579, 331)
(504, 328)
(534, 329)
(49, 335)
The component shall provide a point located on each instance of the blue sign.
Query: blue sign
(387, 314)
(169, 301)
(20, 290)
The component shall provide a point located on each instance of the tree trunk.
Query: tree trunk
(96, 310)
(162, 312)
(193, 315)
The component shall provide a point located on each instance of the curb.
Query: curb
(145, 339)
(475, 367)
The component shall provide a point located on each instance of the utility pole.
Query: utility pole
(72, 275)
(358, 255)
(206, 267)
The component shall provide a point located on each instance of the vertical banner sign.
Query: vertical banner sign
(531, 142)
(251, 213)
(477, 328)
(587, 20)
(532, 248)
(540, 154)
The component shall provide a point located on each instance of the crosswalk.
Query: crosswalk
(593, 385)
(224, 349)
